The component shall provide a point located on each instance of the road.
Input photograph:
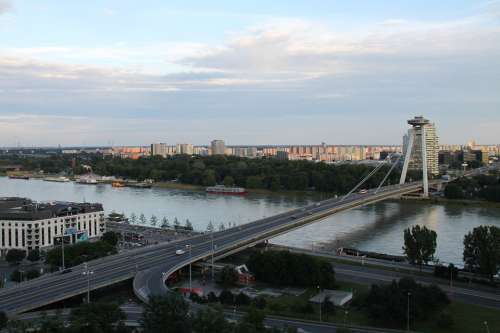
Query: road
(148, 264)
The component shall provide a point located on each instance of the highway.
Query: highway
(147, 265)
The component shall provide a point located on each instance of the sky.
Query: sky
(125, 72)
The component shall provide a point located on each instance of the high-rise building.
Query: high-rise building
(422, 125)
(218, 147)
(159, 149)
(184, 148)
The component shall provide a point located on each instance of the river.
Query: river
(378, 227)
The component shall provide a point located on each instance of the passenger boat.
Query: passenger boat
(60, 179)
(221, 189)
(19, 177)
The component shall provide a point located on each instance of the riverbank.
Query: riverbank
(441, 200)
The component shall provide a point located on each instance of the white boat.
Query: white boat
(86, 180)
(221, 189)
(60, 179)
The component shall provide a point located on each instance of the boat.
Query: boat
(138, 185)
(60, 179)
(221, 189)
(19, 177)
(86, 181)
(118, 183)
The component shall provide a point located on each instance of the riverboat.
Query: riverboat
(221, 189)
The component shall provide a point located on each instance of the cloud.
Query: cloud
(5, 6)
(283, 81)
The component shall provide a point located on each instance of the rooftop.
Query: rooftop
(24, 209)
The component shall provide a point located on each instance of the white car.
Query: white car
(179, 252)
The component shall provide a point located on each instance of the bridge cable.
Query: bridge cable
(388, 173)
(362, 181)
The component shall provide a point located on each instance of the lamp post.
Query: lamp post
(487, 327)
(212, 239)
(320, 303)
(408, 314)
(87, 273)
(188, 246)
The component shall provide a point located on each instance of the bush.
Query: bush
(33, 255)
(228, 276)
(16, 276)
(226, 297)
(302, 307)
(32, 274)
(445, 320)
(242, 299)
(15, 256)
(212, 298)
(284, 268)
(389, 302)
(79, 253)
(3, 320)
(110, 237)
(259, 302)
(446, 272)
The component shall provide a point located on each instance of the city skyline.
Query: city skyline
(280, 73)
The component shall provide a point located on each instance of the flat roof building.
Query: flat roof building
(29, 225)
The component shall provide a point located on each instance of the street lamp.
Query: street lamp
(87, 273)
(408, 314)
(213, 250)
(487, 327)
(188, 246)
(320, 303)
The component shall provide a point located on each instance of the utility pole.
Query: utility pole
(213, 250)
(408, 314)
(190, 271)
(320, 303)
(87, 273)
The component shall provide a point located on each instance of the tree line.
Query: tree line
(162, 314)
(485, 187)
(260, 173)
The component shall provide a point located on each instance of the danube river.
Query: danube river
(378, 227)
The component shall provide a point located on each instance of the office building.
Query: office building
(28, 225)
(218, 147)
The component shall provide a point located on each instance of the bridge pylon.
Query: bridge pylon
(415, 151)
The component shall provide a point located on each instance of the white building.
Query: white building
(184, 148)
(218, 147)
(28, 225)
(159, 149)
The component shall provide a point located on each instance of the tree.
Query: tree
(32, 274)
(189, 225)
(166, 314)
(221, 227)
(419, 244)
(164, 223)
(209, 178)
(153, 220)
(176, 223)
(242, 299)
(16, 276)
(33, 255)
(226, 297)
(97, 317)
(142, 219)
(327, 307)
(3, 320)
(14, 256)
(228, 181)
(208, 320)
(482, 250)
(228, 276)
(252, 321)
(210, 227)
(110, 237)
(133, 218)
(453, 191)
